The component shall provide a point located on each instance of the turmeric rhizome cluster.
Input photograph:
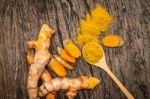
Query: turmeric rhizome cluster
(38, 56)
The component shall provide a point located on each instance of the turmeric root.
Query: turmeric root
(31, 44)
(70, 84)
(113, 41)
(51, 96)
(41, 58)
(63, 53)
(46, 77)
(64, 63)
(71, 48)
(55, 66)
(30, 56)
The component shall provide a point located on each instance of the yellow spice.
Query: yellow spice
(86, 38)
(92, 52)
(93, 25)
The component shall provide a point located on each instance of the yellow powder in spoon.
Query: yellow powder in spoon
(96, 22)
(92, 52)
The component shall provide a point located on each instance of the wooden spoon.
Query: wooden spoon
(103, 65)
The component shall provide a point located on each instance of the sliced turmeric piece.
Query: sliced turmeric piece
(58, 68)
(64, 63)
(71, 48)
(63, 53)
(113, 41)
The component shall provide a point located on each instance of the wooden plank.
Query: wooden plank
(20, 21)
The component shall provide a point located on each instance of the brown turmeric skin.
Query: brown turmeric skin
(70, 84)
(31, 44)
(41, 58)
(45, 75)
(30, 55)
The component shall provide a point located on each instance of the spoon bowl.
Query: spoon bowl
(101, 63)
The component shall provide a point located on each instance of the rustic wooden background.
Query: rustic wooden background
(20, 21)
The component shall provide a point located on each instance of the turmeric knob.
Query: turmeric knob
(55, 66)
(30, 56)
(113, 41)
(71, 48)
(63, 53)
(64, 63)
(50, 96)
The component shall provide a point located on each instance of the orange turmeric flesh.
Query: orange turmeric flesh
(64, 63)
(113, 41)
(71, 48)
(63, 53)
(59, 69)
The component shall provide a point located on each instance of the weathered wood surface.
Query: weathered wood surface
(21, 20)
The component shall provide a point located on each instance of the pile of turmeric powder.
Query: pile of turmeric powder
(95, 23)
(38, 56)
(92, 52)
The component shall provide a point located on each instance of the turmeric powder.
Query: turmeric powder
(92, 52)
(41, 58)
(95, 23)
(113, 41)
(70, 84)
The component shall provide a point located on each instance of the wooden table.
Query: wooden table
(20, 21)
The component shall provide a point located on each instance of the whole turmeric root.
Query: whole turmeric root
(41, 58)
(70, 84)
(45, 75)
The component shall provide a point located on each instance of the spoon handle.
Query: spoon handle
(120, 85)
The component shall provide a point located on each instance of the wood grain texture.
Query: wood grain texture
(20, 21)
